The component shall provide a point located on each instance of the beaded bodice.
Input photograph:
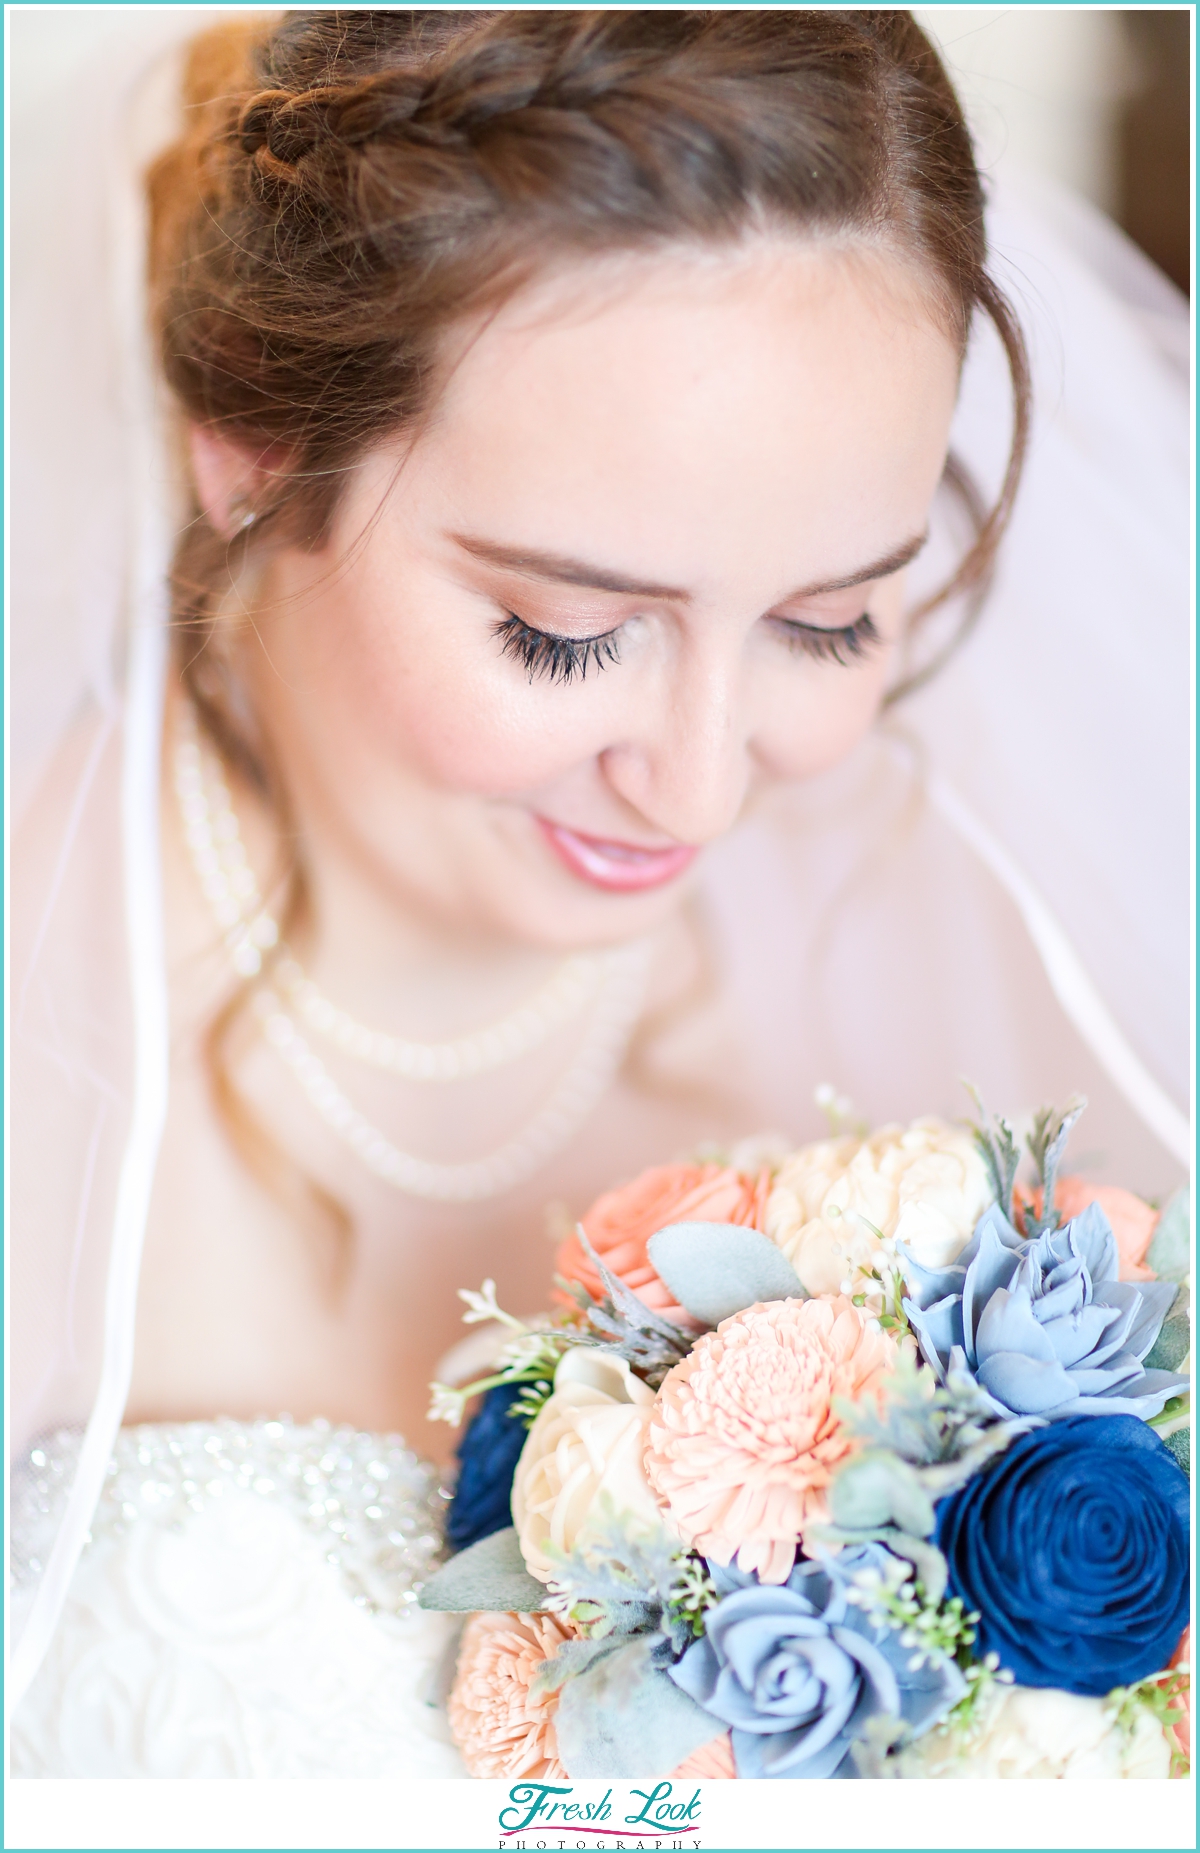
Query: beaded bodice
(246, 1605)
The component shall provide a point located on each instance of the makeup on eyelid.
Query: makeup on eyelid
(559, 658)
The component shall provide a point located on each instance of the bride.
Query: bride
(528, 729)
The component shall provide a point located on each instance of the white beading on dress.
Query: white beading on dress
(246, 1606)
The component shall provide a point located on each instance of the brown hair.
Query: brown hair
(350, 183)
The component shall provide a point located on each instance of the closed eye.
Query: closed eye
(847, 643)
(558, 659)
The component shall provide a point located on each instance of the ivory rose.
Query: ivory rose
(500, 1726)
(925, 1184)
(743, 1438)
(1133, 1221)
(1039, 1733)
(620, 1223)
(583, 1459)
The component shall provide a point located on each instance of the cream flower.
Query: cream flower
(743, 1439)
(924, 1184)
(1040, 1734)
(502, 1728)
(583, 1458)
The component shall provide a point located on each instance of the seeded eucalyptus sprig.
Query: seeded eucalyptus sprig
(879, 1287)
(692, 1594)
(896, 1598)
(1161, 1697)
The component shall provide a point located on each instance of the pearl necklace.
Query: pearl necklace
(613, 981)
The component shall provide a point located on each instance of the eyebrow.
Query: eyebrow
(559, 569)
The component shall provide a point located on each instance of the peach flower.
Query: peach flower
(743, 1438)
(620, 1223)
(500, 1727)
(1133, 1222)
(713, 1762)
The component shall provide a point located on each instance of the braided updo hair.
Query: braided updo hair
(350, 184)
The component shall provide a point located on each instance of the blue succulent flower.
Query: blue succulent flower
(487, 1460)
(798, 1672)
(1044, 1327)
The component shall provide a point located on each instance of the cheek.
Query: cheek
(451, 711)
(823, 721)
(808, 716)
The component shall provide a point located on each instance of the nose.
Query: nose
(685, 765)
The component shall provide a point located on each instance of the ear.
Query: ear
(227, 479)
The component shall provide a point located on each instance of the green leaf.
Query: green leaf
(623, 1716)
(715, 1269)
(1169, 1253)
(877, 1488)
(1180, 1444)
(488, 1575)
(1174, 1340)
(572, 1659)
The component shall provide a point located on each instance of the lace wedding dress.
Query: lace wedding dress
(246, 1605)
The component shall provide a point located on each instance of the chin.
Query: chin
(559, 913)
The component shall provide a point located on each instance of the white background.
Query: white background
(925, 1815)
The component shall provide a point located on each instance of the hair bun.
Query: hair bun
(260, 121)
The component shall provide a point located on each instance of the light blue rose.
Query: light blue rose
(799, 1672)
(1044, 1327)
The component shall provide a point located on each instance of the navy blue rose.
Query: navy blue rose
(1074, 1549)
(1044, 1327)
(487, 1460)
(799, 1672)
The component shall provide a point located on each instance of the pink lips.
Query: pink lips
(620, 867)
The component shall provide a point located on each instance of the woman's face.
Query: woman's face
(644, 559)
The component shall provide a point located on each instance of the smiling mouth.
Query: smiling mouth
(619, 867)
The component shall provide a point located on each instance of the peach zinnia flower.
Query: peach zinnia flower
(500, 1727)
(620, 1223)
(1133, 1221)
(743, 1438)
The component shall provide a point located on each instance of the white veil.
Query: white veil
(1017, 905)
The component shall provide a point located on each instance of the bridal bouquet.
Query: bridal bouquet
(861, 1460)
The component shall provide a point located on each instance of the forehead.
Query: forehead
(778, 397)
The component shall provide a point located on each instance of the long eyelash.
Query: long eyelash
(559, 659)
(849, 644)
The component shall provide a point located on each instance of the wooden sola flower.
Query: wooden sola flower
(503, 1728)
(744, 1437)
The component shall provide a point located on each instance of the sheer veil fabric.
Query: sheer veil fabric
(997, 884)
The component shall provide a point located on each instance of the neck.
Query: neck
(387, 956)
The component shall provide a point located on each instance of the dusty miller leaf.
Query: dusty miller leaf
(624, 1717)
(715, 1269)
(488, 1575)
